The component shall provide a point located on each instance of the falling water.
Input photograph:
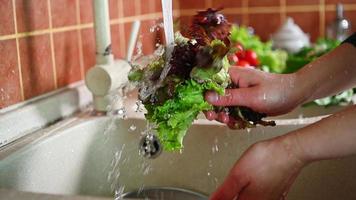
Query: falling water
(169, 35)
(168, 23)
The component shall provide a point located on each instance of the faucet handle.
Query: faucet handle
(102, 80)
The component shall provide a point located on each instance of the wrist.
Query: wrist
(304, 87)
(291, 145)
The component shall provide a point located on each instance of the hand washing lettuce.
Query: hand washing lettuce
(173, 92)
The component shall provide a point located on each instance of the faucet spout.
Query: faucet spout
(108, 78)
(102, 32)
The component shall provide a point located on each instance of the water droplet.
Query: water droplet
(119, 192)
(139, 107)
(132, 128)
(215, 149)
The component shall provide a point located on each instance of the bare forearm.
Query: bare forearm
(331, 137)
(330, 74)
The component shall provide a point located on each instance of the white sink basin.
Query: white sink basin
(82, 156)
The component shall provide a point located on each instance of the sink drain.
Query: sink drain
(165, 193)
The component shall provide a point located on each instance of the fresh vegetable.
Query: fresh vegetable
(243, 63)
(308, 54)
(268, 59)
(251, 57)
(173, 93)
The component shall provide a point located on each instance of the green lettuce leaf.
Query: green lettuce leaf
(176, 115)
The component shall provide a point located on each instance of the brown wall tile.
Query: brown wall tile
(148, 6)
(66, 51)
(116, 39)
(10, 89)
(227, 3)
(302, 2)
(88, 42)
(158, 5)
(86, 11)
(265, 29)
(63, 13)
(192, 4)
(31, 15)
(310, 26)
(113, 9)
(129, 8)
(176, 4)
(236, 19)
(148, 37)
(339, 1)
(6, 18)
(264, 3)
(36, 62)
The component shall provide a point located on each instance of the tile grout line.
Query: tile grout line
(208, 3)
(322, 18)
(54, 67)
(283, 13)
(80, 41)
(245, 12)
(19, 66)
(177, 13)
(121, 28)
(137, 7)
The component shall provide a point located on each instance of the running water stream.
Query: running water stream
(169, 35)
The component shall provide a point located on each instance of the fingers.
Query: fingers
(222, 117)
(244, 77)
(231, 188)
(210, 115)
(232, 97)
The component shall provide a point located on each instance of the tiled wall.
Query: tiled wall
(48, 44)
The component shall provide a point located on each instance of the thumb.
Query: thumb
(232, 97)
(230, 189)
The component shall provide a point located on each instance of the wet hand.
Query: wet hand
(272, 94)
(265, 171)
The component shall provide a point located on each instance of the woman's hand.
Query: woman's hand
(272, 94)
(264, 172)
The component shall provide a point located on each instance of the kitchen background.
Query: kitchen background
(48, 44)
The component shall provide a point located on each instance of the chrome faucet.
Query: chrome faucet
(340, 28)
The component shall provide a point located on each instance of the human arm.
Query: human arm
(267, 169)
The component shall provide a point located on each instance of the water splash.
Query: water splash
(114, 174)
(119, 193)
(132, 128)
(156, 27)
(139, 107)
(139, 51)
(215, 147)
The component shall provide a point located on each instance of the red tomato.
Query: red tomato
(243, 63)
(233, 59)
(240, 53)
(239, 47)
(251, 57)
